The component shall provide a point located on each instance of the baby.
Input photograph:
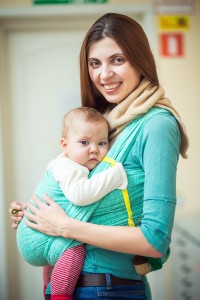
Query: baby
(84, 144)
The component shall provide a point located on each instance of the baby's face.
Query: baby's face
(87, 142)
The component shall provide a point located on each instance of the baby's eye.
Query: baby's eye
(84, 143)
(103, 143)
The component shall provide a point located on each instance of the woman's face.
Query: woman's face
(110, 71)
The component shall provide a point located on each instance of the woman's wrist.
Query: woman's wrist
(68, 227)
(63, 228)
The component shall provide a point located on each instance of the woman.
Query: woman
(119, 78)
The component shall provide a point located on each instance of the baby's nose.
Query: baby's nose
(94, 148)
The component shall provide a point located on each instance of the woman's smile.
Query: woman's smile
(111, 87)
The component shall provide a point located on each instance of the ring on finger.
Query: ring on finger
(14, 212)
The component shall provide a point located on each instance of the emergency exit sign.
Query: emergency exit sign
(43, 2)
(171, 44)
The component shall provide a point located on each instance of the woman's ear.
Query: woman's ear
(63, 145)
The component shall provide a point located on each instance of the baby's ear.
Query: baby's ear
(63, 144)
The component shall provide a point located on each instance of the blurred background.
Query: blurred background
(39, 82)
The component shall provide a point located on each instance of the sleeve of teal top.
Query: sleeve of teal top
(158, 153)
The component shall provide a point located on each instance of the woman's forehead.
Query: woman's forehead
(104, 47)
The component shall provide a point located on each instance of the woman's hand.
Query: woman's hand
(46, 217)
(16, 211)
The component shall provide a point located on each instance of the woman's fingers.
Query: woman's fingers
(45, 216)
(48, 200)
(41, 204)
(15, 206)
(32, 225)
(37, 201)
(30, 216)
(14, 225)
(34, 209)
(16, 212)
(16, 219)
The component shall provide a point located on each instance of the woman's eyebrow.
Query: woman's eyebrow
(113, 55)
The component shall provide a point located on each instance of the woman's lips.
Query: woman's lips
(110, 88)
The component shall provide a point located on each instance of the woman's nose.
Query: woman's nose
(106, 72)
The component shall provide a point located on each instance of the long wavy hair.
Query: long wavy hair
(131, 38)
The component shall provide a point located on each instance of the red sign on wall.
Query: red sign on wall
(171, 44)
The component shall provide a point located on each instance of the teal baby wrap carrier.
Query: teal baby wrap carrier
(39, 249)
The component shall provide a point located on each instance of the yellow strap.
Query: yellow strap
(109, 160)
(125, 195)
(128, 208)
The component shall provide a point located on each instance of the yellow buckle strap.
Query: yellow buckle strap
(125, 195)
(109, 160)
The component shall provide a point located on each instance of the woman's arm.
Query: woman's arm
(159, 154)
(51, 219)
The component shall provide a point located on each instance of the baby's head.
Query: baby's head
(85, 136)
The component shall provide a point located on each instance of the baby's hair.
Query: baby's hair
(89, 114)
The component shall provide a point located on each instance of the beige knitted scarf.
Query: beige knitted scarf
(138, 103)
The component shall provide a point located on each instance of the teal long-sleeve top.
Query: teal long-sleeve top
(155, 156)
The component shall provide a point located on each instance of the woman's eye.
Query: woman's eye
(118, 60)
(94, 64)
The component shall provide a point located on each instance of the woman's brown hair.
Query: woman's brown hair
(131, 38)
